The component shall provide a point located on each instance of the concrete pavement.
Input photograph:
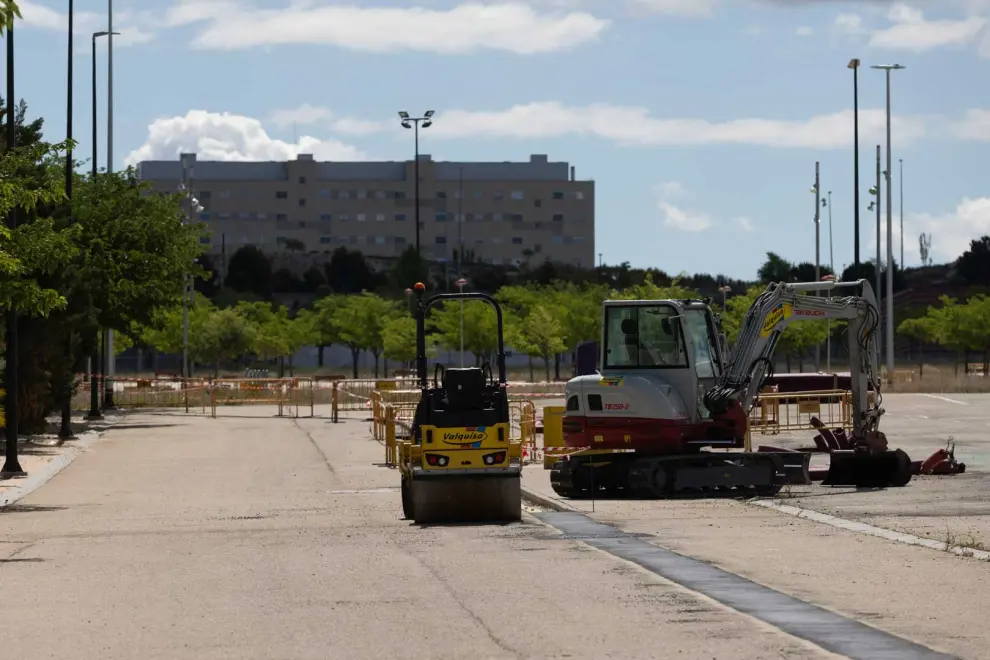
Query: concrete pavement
(252, 537)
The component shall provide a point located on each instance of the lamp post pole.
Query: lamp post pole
(854, 65)
(887, 68)
(65, 427)
(818, 259)
(95, 383)
(460, 288)
(901, 207)
(191, 206)
(109, 356)
(11, 465)
(413, 123)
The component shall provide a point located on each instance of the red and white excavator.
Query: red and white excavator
(669, 391)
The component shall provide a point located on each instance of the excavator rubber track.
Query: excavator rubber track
(654, 477)
(462, 499)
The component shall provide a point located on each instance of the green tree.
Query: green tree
(250, 271)
(923, 330)
(399, 339)
(360, 321)
(33, 251)
(325, 331)
(541, 334)
(650, 290)
(270, 340)
(480, 337)
(222, 336)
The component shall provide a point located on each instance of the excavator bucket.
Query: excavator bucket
(467, 499)
(864, 469)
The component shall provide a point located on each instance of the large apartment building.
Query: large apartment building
(501, 213)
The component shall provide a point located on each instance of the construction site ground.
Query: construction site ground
(252, 536)
(930, 595)
(255, 537)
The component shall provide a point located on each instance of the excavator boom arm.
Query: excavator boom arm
(750, 360)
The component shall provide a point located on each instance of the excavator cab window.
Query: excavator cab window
(703, 342)
(643, 336)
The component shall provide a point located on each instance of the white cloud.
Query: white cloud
(634, 126)
(743, 224)
(848, 24)
(309, 115)
(804, 31)
(682, 220)
(911, 31)
(134, 27)
(951, 232)
(975, 126)
(670, 190)
(230, 137)
(696, 8)
(676, 217)
(508, 26)
(306, 114)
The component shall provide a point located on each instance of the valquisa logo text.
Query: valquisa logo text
(461, 436)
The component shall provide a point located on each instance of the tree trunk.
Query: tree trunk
(556, 366)
(546, 363)
(319, 355)
(532, 374)
(65, 429)
(376, 355)
(355, 354)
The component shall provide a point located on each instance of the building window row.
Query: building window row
(347, 194)
(378, 217)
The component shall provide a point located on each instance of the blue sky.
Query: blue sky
(699, 120)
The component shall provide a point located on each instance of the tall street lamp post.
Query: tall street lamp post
(817, 191)
(413, 123)
(461, 283)
(109, 358)
(901, 208)
(854, 65)
(887, 68)
(65, 428)
(11, 465)
(94, 383)
(192, 206)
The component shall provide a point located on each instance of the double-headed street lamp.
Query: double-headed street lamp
(887, 68)
(413, 123)
(95, 383)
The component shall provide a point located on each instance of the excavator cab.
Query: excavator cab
(461, 464)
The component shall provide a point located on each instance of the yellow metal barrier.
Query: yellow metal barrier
(285, 393)
(525, 413)
(553, 435)
(775, 412)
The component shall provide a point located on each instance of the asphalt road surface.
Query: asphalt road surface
(254, 537)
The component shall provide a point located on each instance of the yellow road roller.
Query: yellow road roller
(460, 463)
